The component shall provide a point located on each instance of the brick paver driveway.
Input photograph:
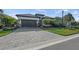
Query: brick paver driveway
(26, 38)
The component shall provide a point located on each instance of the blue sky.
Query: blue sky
(47, 12)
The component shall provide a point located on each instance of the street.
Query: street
(67, 45)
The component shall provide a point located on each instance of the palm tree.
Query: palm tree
(68, 19)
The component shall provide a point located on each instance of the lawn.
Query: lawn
(63, 31)
(5, 32)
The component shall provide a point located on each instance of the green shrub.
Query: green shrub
(1, 25)
(7, 20)
(48, 21)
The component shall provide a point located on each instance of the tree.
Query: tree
(1, 11)
(58, 21)
(68, 19)
(7, 20)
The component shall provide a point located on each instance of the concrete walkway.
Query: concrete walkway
(30, 38)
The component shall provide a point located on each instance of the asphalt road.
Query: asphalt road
(67, 45)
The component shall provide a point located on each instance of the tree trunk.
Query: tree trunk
(67, 25)
(70, 25)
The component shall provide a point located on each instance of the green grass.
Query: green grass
(5, 32)
(63, 31)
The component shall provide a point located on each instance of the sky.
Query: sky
(47, 12)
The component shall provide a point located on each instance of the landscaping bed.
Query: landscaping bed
(62, 31)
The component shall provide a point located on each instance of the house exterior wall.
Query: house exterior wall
(29, 23)
(26, 20)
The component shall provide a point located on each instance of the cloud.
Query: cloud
(40, 11)
(75, 12)
(11, 12)
(58, 11)
(76, 18)
(65, 10)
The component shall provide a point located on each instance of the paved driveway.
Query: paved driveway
(27, 38)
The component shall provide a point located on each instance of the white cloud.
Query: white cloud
(65, 10)
(57, 12)
(75, 12)
(76, 17)
(11, 13)
(40, 11)
(60, 11)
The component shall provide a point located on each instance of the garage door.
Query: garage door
(29, 23)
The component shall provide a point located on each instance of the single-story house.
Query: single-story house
(29, 20)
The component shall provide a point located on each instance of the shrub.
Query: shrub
(1, 25)
(7, 20)
(48, 21)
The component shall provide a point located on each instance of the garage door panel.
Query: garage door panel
(28, 23)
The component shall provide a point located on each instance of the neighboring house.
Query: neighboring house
(29, 20)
